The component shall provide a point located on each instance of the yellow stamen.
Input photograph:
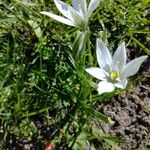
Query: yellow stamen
(114, 75)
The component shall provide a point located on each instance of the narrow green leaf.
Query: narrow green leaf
(146, 50)
(36, 28)
(36, 112)
(96, 113)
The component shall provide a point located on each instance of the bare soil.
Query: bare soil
(131, 114)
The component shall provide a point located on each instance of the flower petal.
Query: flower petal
(103, 55)
(119, 57)
(78, 20)
(104, 87)
(133, 66)
(63, 8)
(121, 84)
(92, 6)
(97, 73)
(58, 18)
(79, 4)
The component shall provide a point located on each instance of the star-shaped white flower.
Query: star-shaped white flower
(76, 15)
(113, 71)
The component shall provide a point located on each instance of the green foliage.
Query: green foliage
(38, 78)
(124, 20)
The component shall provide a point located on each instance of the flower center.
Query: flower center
(114, 75)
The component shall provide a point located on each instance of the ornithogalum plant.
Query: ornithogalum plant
(76, 14)
(113, 71)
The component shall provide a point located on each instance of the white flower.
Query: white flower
(76, 15)
(113, 71)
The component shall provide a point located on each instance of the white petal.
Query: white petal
(97, 73)
(133, 66)
(119, 57)
(79, 4)
(79, 20)
(103, 55)
(58, 18)
(121, 84)
(63, 8)
(92, 6)
(104, 87)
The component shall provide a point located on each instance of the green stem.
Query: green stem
(90, 59)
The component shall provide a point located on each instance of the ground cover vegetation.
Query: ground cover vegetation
(48, 99)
